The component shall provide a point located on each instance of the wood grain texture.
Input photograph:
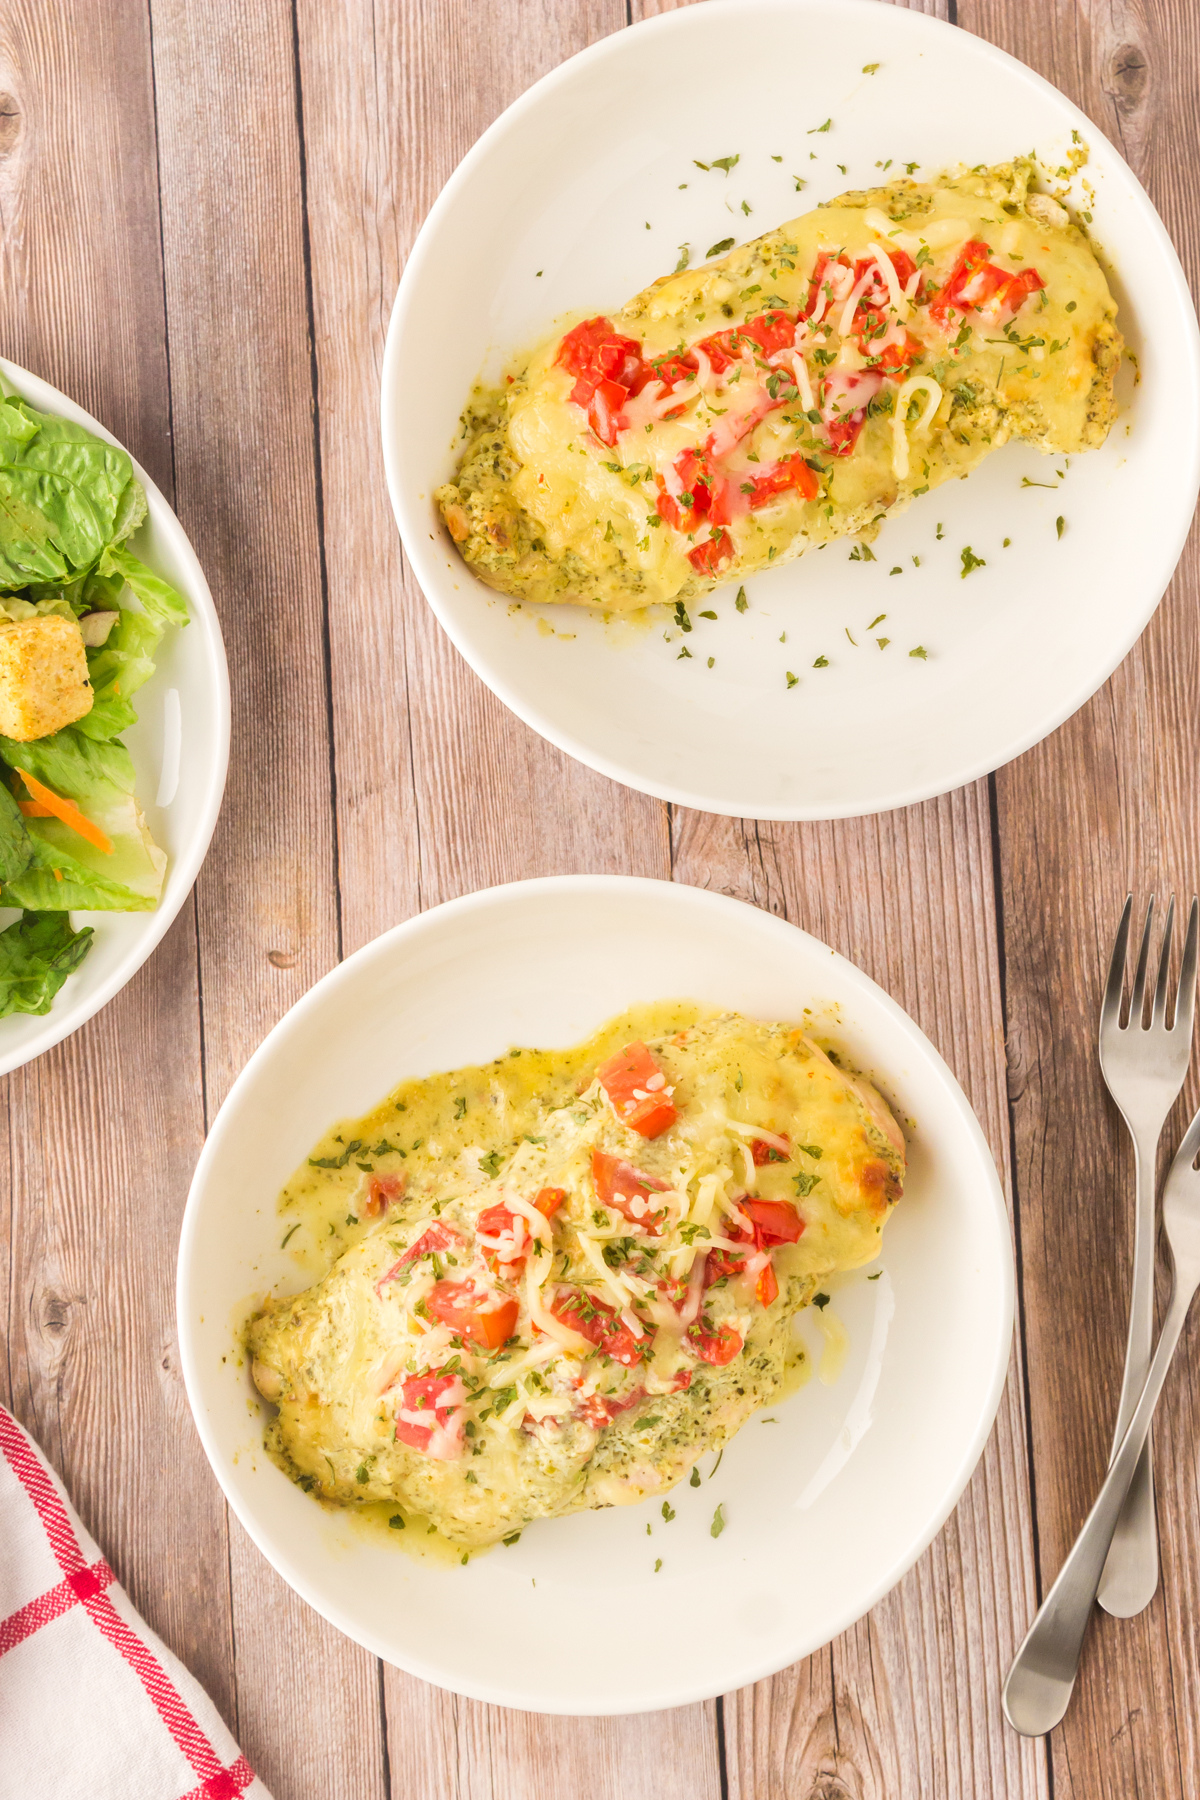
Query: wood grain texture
(440, 790)
(91, 1212)
(907, 1703)
(236, 284)
(1111, 802)
(204, 212)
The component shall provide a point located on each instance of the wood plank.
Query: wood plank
(908, 1702)
(237, 301)
(910, 898)
(1110, 802)
(103, 1131)
(434, 760)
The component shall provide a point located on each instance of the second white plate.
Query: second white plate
(549, 213)
(825, 1508)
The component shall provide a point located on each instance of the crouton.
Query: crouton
(43, 677)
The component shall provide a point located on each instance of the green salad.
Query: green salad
(80, 621)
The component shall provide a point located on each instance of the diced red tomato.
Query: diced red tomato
(790, 472)
(600, 1325)
(710, 557)
(818, 280)
(766, 1287)
(604, 413)
(720, 1263)
(382, 1191)
(671, 370)
(845, 397)
(717, 1347)
(430, 1415)
(607, 369)
(762, 1152)
(774, 1221)
(687, 499)
(435, 1242)
(627, 1190)
(976, 284)
(601, 1409)
(1016, 290)
(486, 1320)
(637, 1090)
(596, 351)
(769, 332)
(513, 1243)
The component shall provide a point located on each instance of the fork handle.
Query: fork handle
(1130, 1576)
(1040, 1682)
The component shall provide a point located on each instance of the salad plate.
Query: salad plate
(782, 1543)
(855, 679)
(179, 746)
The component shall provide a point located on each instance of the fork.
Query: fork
(1144, 1067)
(1039, 1685)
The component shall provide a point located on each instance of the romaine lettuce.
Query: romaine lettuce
(37, 954)
(67, 501)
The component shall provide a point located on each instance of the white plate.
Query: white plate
(564, 183)
(826, 1508)
(183, 725)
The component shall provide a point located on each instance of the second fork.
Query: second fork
(1144, 1066)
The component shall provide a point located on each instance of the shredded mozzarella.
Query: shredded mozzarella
(915, 384)
(532, 1359)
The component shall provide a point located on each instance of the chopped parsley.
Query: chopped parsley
(822, 662)
(490, 1164)
(816, 128)
(792, 680)
(970, 562)
(920, 651)
(869, 69)
(820, 1301)
(720, 248)
(805, 1183)
(1060, 525)
(685, 257)
(396, 1522)
(718, 1522)
(336, 1162)
(741, 601)
(694, 1477)
(460, 1106)
(287, 1235)
(668, 1511)
(862, 553)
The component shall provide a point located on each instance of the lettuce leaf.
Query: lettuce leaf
(68, 500)
(65, 496)
(37, 954)
(16, 850)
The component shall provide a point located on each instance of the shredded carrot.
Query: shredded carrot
(33, 809)
(58, 874)
(67, 811)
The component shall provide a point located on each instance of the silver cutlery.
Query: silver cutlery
(1144, 1067)
(1042, 1676)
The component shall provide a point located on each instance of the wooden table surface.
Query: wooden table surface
(204, 210)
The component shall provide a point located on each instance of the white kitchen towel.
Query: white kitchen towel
(93, 1706)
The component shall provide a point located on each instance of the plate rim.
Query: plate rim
(414, 539)
(47, 398)
(434, 920)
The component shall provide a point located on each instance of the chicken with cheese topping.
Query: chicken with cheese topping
(580, 1274)
(797, 391)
